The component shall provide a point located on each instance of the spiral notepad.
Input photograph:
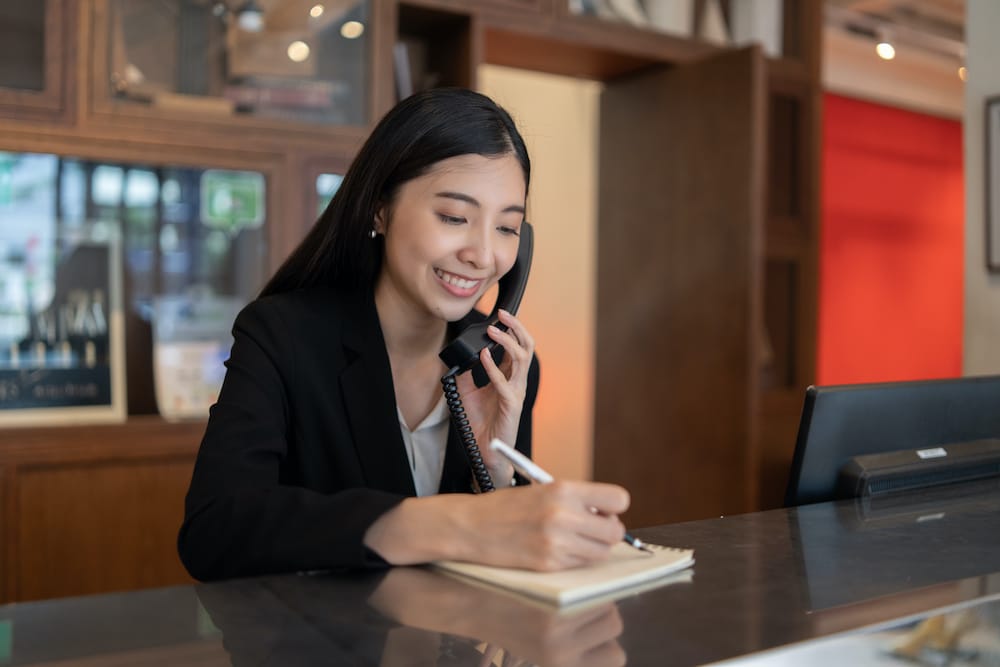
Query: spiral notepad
(626, 568)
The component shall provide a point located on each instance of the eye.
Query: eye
(508, 231)
(451, 219)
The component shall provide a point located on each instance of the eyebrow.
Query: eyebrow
(471, 200)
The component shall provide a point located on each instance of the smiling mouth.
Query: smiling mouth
(457, 282)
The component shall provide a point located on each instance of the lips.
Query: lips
(458, 285)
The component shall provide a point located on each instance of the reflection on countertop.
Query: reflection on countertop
(967, 635)
(803, 576)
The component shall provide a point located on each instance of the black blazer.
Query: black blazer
(303, 451)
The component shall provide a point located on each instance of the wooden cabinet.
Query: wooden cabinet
(680, 247)
(179, 69)
(93, 509)
(705, 400)
(706, 312)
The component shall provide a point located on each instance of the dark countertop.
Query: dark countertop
(761, 581)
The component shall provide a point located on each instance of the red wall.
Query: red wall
(891, 246)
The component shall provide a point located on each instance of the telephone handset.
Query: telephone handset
(462, 353)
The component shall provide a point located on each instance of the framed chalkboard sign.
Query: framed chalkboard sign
(61, 328)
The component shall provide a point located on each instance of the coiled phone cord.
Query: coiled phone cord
(454, 400)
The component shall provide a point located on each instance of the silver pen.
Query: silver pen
(537, 475)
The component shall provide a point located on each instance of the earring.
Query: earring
(372, 234)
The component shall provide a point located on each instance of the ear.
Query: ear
(381, 219)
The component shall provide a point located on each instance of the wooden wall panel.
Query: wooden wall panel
(779, 425)
(94, 508)
(96, 527)
(680, 247)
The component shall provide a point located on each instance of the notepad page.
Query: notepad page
(625, 568)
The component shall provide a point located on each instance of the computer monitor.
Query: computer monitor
(840, 422)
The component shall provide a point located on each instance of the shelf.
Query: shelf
(438, 46)
(585, 47)
(140, 437)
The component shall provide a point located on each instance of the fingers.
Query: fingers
(595, 638)
(494, 373)
(518, 330)
(516, 341)
(596, 534)
(519, 347)
(586, 638)
(488, 655)
(608, 654)
(572, 533)
(543, 527)
(593, 509)
(604, 498)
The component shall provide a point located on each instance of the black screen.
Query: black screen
(849, 420)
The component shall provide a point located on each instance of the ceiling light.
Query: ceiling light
(352, 29)
(250, 16)
(885, 50)
(298, 51)
(932, 40)
(316, 11)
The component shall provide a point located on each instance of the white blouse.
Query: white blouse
(425, 447)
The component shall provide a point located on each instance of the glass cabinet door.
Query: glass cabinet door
(34, 42)
(22, 45)
(298, 60)
(326, 186)
(193, 248)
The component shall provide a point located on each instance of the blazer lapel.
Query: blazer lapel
(370, 403)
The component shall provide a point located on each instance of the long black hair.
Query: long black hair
(420, 131)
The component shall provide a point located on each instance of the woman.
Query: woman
(330, 445)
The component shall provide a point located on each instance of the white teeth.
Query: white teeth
(460, 283)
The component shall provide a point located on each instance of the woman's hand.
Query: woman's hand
(538, 527)
(494, 411)
(549, 527)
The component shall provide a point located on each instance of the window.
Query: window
(193, 250)
(326, 186)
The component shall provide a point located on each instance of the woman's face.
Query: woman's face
(451, 234)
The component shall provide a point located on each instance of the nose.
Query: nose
(477, 250)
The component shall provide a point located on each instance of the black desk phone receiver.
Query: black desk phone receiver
(462, 353)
